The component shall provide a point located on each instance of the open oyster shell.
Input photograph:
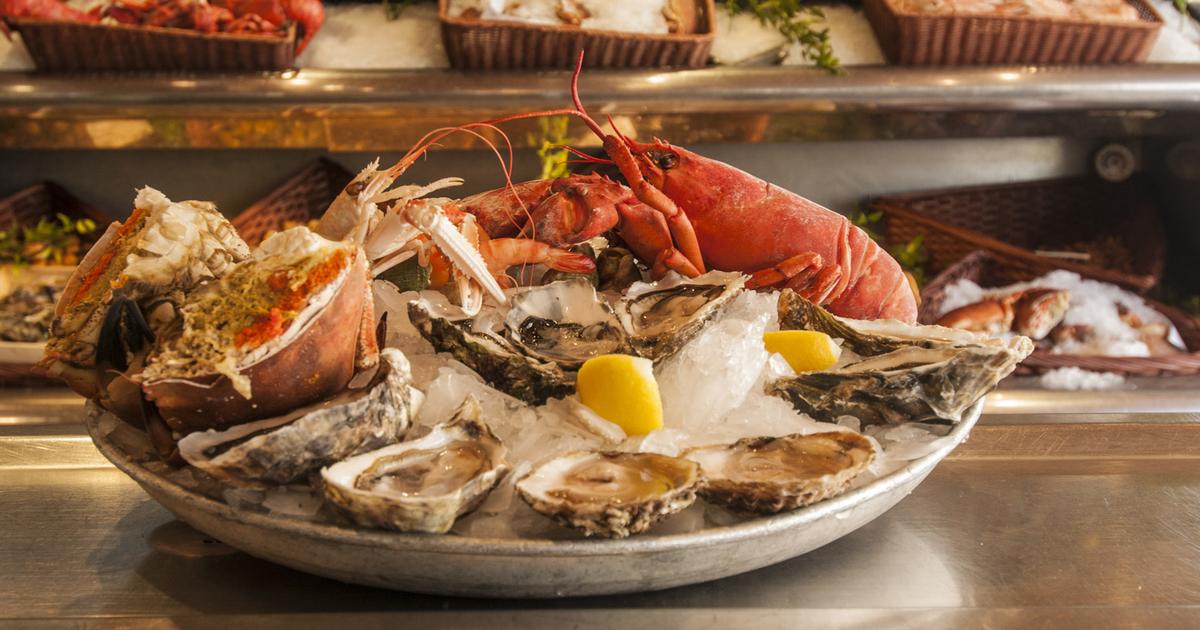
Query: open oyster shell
(609, 493)
(907, 373)
(285, 449)
(767, 475)
(565, 322)
(493, 357)
(661, 318)
(423, 485)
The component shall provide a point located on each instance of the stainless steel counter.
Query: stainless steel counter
(1072, 519)
(389, 110)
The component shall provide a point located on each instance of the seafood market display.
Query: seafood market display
(1065, 314)
(242, 17)
(1092, 10)
(574, 353)
(631, 16)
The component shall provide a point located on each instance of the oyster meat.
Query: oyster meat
(906, 373)
(564, 322)
(287, 448)
(662, 317)
(767, 475)
(423, 485)
(611, 494)
(493, 357)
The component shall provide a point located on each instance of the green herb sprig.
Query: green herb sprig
(798, 22)
(912, 256)
(56, 241)
(553, 135)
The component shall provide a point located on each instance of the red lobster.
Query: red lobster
(683, 212)
(41, 9)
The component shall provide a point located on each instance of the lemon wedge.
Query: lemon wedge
(805, 350)
(621, 389)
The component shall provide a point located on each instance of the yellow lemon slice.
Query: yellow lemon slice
(805, 350)
(622, 390)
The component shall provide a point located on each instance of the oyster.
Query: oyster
(907, 373)
(767, 475)
(663, 317)
(564, 322)
(493, 357)
(423, 485)
(609, 493)
(285, 449)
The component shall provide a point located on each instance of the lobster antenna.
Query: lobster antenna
(617, 130)
(585, 158)
(579, 108)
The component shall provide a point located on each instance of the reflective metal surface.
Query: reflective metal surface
(1013, 536)
(389, 110)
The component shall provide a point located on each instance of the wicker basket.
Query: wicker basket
(75, 47)
(1013, 221)
(946, 40)
(494, 45)
(988, 271)
(26, 207)
(303, 197)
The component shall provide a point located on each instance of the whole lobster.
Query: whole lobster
(685, 212)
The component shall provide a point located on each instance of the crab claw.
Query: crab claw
(124, 330)
(465, 256)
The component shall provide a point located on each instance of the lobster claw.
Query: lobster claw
(123, 331)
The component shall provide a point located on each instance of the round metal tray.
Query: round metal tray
(477, 567)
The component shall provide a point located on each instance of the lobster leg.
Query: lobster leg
(803, 273)
(682, 232)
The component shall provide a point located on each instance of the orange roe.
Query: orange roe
(106, 259)
(269, 326)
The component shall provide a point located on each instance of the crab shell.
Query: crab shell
(318, 363)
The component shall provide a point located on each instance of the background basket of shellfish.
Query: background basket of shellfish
(299, 200)
(476, 44)
(920, 39)
(58, 46)
(987, 271)
(1116, 224)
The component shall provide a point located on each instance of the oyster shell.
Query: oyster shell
(609, 493)
(663, 317)
(285, 449)
(907, 373)
(423, 485)
(566, 323)
(493, 357)
(767, 475)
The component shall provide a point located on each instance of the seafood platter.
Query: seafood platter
(686, 377)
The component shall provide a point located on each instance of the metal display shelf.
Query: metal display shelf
(389, 110)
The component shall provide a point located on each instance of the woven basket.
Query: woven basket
(303, 197)
(946, 40)
(1013, 221)
(497, 45)
(25, 208)
(75, 47)
(988, 271)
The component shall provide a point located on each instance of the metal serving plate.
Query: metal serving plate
(477, 567)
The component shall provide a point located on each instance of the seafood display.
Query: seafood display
(1065, 314)
(425, 484)
(282, 450)
(610, 493)
(572, 353)
(243, 17)
(901, 373)
(768, 475)
(633, 16)
(26, 313)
